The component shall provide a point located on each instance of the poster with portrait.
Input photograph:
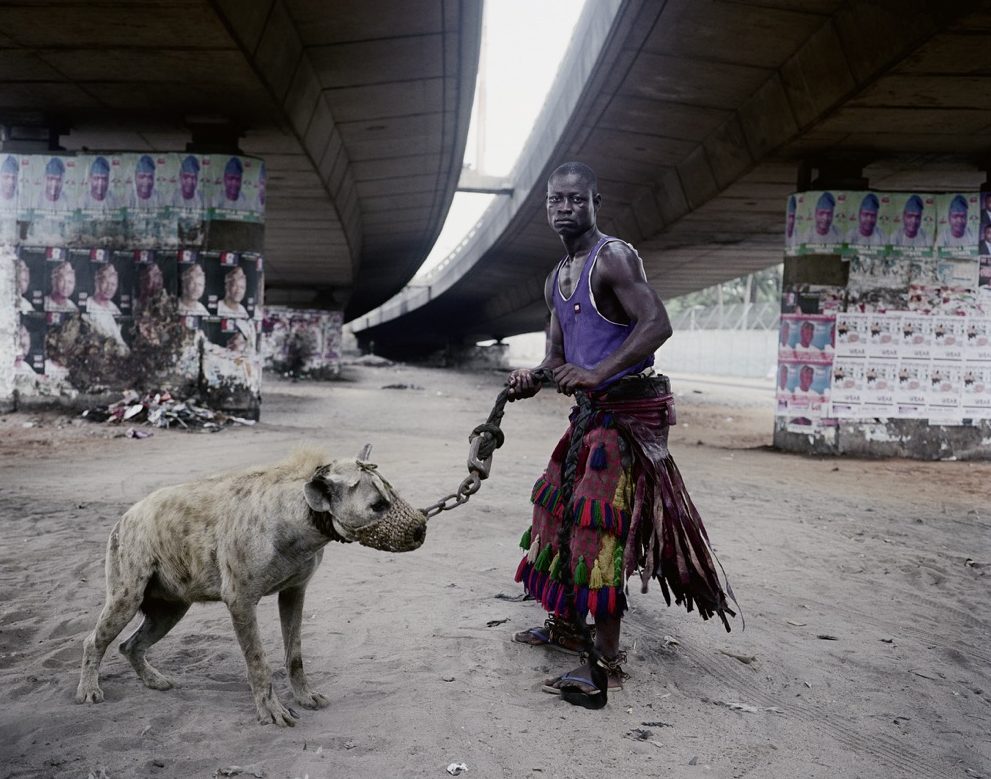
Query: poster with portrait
(949, 339)
(911, 391)
(984, 285)
(958, 222)
(976, 397)
(880, 383)
(807, 337)
(29, 359)
(104, 307)
(50, 189)
(99, 217)
(66, 281)
(824, 214)
(916, 337)
(851, 334)
(945, 401)
(793, 226)
(148, 182)
(847, 391)
(188, 208)
(192, 287)
(232, 284)
(912, 227)
(862, 229)
(883, 331)
(31, 275)
(230, 353)
(977, 340)
(809, 388)
(239, 187)
(10, 167)
(155, 272)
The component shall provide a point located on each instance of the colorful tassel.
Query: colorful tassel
(595, 580)
(531, 555)
(555, 571)
(543, 562)
(617, 562)
(525, 540)
(521, 569)
(598, 461)
(593, 601)
(581, 573)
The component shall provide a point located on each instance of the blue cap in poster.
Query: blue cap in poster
(958, 205)
(870, 203)
(914, 205)
(9, 165)
(826, 200)
(190, 165)
(100, 167)
(145, 164)
(233, 167)
(55, 167)
(792, 204)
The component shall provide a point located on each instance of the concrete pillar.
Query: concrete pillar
(135, 271)
(885, 337)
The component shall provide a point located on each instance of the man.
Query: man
(97, 193)
(986, 211)
(588, 534)
(866, 232)
(24, 304)
(52, 198)
(235, 288)
(187, 195)
(63, 284)
(231, 195)
(911, 232)
(985, 246)
(193, 281)
(823, 231)
(145, 196)
(101, 311)
(957, 233)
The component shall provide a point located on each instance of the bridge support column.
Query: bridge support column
(885, 335)
(131, 271)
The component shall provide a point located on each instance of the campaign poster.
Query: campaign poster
(230, 353)
(239, 188)
(189, 204)
(792, 226)
(824, 215)
(958, 221)
(147, 182)
(155, 273)
(851, 334)
(10, 168)
(863, 230)
(192, 287)
(99, 217)
(29, 360)
(883, 331)
(911, 223)
(807, 337)
(102, 308)
(977, 340)
(232, 284)
(803, 389)
(911, 392)
(50, 190)
(916, 337)
(949, 339)
(847, 392)
(879, 385)
(945, 399)
(66, 281)
(31, 274)
(984, 284)
(976, 398)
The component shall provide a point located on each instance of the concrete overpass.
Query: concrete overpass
(700, 118)
(359, 107)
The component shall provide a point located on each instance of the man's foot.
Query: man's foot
(551, 635)
(580, 679)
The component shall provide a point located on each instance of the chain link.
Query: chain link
(468, 487)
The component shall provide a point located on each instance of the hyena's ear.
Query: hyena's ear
(324, 490)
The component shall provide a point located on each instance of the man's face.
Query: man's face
(53, 187)
(63, 281)
(232, 185)
(195, 284)
(805, 377)
(807, 332)
(8, 184)
(151, 281)
(783, 376)
(236, 285)
(106, 284)
(99, 183)
(867, 221)
(144, 182)
(824, 219)
(958, 223)
(911, 220)
(23, 276)
(24, 337)
(187, 184)
(987, 234)
(571, 204)
(785, 333)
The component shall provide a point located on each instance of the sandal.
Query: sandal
(551, 635)
(580, 681)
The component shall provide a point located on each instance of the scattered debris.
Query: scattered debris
(671, 641)
(447, 678)
(657, 724)
(493, 622)
(514, 598)
(402, 386)
(744, 707)
(454, 769)
(827, 637)
(160, 409)
(638, 734)
(745, 659)
(796, 624)
(240, 770)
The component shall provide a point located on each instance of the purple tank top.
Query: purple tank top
(588, 336)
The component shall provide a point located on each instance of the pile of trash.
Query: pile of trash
(161, 409)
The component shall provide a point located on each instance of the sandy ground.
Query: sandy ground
(865, 586)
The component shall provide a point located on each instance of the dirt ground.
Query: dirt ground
(865, 587)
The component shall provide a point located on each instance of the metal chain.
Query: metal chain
(483, 441)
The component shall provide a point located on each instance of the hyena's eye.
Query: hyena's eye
(380, 505)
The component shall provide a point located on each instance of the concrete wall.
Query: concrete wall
(299, 343)
(130, 271)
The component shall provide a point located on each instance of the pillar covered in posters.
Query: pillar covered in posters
(885, 335)
(131, 271)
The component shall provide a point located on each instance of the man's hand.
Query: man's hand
(570, 377)
(522, 384)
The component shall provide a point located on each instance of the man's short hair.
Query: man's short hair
(580, 169)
